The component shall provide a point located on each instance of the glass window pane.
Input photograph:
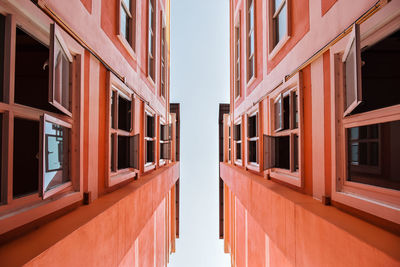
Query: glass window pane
(278, 114)
(350, 87)
(149, 151)
(2, 35)
(238, 151)
(276, 4)
(374, 159)
(253, 151)
(57, 140)
(123, 152)
(282, 23)
(296, 152)
(124, 114)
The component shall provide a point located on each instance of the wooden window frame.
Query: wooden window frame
(380, 201)
(117, 89)
(151, 35)
(249, 32)
(288, 88)
(130, 45)
(163, 58)
(163, 161)
(237, 68)
(274, 49)
(255, 166)
(229, 148)
(150, 165)
(16, 212)
(238, 162)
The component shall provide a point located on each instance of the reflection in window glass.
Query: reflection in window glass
(57, 141)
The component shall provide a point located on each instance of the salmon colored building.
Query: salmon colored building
(88, 150)
(312, 139)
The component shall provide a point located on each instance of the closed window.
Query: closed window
(165, 142)
(151, 50)
(150, 138)
(237, 142)
(253, 138)
(250, 35)
(127, 24)
(237, 59)
(163, 63)
(278, 21)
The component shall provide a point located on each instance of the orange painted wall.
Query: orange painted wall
(298, 231)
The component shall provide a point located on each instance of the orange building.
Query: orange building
(311, 143)
(88, 150)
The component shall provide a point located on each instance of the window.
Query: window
(281, 148)
(163, 63)
(368, 120)
(237, 60)
(229, 143)
(278, 24)
(127, 24)
(250, 40)
(253, 138)
(38, 111)
(124, 144)
(165, 142)
(151, 39)
(150, 138)
(237, 138)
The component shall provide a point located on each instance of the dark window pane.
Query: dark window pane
(124, 114)
(380, 74)
(150, 126)
(26, 157)
(113, 117)
(253, 151)
(112, 149)
(149, 151)
(282, 152)
(252, 126)
(373, 159)
(32, 72)
(278, 114)
(57, 141)
(296, 152)
(238, 150)
(1, 148)
(295, 111)
(123, 152)
(286, 112)
(2, 36)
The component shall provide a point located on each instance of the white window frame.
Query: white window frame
(255, 166)
(237, 161)
(150, 165)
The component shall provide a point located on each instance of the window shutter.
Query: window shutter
(352, 72)
(269, 152)
(134, 151)
(60, 76)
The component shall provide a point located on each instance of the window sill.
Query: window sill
(121, 176)
(25, 215)
(238, 162)
(278, 47)
(127, 46)
(253, 166)
(286, 176)
(149, 166)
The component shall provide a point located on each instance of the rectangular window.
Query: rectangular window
(163, 63)
(237, 60)
(282, 149)
(279, 27)
(128, 21)
(250, 35)
(151, 39)
(252, 138)
(150, 138)
(229, 143)
(165, 142)
(237, 138)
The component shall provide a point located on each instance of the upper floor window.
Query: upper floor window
(278, 23)
(253, 138)
(229, 143)
(369, 116)
(163, 62)
(250, 33)
(282, 148)
(40, 112)
(237, 60)
(124, 144)
(127, 24)
(151, 50)
(165, 142)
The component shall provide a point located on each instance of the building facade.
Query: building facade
(311, 143)
(88, 165)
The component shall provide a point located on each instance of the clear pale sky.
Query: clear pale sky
(199, 82)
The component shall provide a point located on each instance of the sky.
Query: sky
(199, 82)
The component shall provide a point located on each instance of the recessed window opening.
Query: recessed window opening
(279, 21)
(32, 72)
(2, 36)
(237, 138)
(128, 21)
(151, 39)
(163, 62)
(282, 152)
(237, 63)
(250, 40)
(252, 137)
(123, 152)
(286, 112)
(124, 114)
(150, 138)
(149, 151)
(25, 157)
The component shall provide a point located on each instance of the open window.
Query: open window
(282, 148)
(352, 66)
(367, 114)
(60, 63)
(124, 144)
